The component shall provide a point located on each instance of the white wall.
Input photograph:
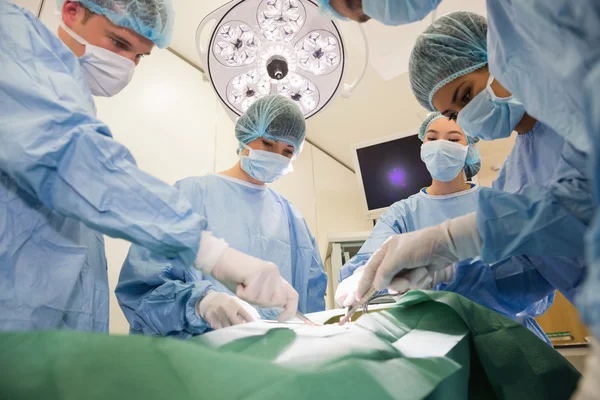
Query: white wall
(167, 120)
(175, 127)
(31, 5)
(337, 196)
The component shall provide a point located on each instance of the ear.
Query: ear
(242, 152)
(72, 13)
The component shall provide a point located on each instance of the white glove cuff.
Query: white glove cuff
(210, 251)
(203, 302)
(465, 236)
(446, 275)
(358, 272)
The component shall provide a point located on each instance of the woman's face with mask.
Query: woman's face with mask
(451, 98)
(444, 150)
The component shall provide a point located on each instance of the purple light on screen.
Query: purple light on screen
(397, 177)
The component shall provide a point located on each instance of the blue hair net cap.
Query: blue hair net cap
(428, 120)
(453, 46)
(276, 118)
(153, 19)
(473, 160)
(328, 11)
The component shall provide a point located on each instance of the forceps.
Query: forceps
(362, 303)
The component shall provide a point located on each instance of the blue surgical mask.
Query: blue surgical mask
(265, 166)
(444, 159)
(489, 117)
(398, 12)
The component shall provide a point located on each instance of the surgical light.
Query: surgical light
(261, 47)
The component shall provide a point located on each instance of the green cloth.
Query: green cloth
(485, 353)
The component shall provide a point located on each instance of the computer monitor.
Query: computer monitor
(388, 170)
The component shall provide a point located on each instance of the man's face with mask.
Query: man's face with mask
(97, 30)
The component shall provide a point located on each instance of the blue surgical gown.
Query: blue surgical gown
(64, 181)
(523, 37)
(533, 160)
(554, 69)
(557, 41)
(515, 290)
(546, 53)
(158, 297)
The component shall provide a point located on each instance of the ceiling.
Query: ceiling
(389, 46)
(383, 104)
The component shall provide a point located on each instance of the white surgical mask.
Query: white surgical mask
(444, 159)
(265, 166)
(106, 72)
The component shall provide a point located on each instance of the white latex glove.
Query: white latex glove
(589, 385)
(345, 293)
(444, 275)
(256, 281)
(221, 310)
(406, 260)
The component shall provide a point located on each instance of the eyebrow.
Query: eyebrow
(456, 93)
(115, 35)
(447, 133)
(122, 39)
(453, 99)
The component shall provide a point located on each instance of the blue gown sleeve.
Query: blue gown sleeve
(566, 274)
(158, 295)
(522, 287)
(56, 150)
(317, 282)
(512, 287)
(386, 226)
(538, 220)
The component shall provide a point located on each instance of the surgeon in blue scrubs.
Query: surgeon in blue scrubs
(162, 298)
(513, 287)
(546, 216)
(490, 112)
(546, 54)
(65, 182)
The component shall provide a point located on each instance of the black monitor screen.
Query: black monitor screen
(392, 171)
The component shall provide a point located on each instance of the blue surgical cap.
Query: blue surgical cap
(428, 120)
(473, 160)
(276, 118)
(453, 46)
(153, 19)
(327, 10)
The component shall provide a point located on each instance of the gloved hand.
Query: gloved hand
(345, 293)
(444, 275)
(420, 278)
(256, 281)
(407, 260)
(221, 310)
